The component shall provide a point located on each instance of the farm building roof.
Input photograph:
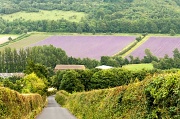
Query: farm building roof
(66, 67)
(104, 67)
(6, 75)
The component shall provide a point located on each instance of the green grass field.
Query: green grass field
(26, 42)
(46, 15)
(138, 66)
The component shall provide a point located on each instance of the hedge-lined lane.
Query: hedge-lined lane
(54, 111)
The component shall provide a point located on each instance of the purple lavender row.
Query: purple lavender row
(159, 46)
(88, 46)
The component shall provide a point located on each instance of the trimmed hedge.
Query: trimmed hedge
(61, 97)
(14, 105)
(156, 97)
(128, 48)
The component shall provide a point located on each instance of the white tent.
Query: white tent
(104, 67)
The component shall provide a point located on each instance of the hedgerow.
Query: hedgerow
(156, 97)
(163, 97)
(14, 105)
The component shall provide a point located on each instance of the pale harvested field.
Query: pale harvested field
(5, 39)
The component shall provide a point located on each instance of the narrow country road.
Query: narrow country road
(54, 111)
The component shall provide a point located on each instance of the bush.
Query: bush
(163, 97)
(70, 82)
(61, 97)
(172, 32)
(33, 84)
(127, 49)
(139, 38)
(156, 97)
(116, 77)
(16, 106)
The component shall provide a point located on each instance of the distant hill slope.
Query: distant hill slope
(129, 9)
(101, 16)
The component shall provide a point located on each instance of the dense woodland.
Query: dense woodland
(103, 16)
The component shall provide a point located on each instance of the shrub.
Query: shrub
(61, 97)
(139, 38)
(70, 82)
(128, 48)
(163, 97)
(17, 106)
(156, 97)
(172, 32)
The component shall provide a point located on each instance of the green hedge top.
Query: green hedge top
(14, 105)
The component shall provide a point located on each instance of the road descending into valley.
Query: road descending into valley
(54, 111)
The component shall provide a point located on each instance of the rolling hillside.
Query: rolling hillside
(97, 16)
(129, 9)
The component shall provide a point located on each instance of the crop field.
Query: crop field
(135, 67)
(45, 15)
(4, 38)
(159, 46)
(88, 46)
(26, 42)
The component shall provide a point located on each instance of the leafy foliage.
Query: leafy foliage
(163, 97)
(70, 82)
(172, 32)
(79, 80)
(12, 60)
(61, 97)
(33, 84)
(107, 16)
(14, 105)
(167, 62)
(40, 70)
(155, 97)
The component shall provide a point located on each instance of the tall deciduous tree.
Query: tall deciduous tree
(70, 82)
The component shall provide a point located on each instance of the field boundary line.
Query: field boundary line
(136, 46)
(124, 50)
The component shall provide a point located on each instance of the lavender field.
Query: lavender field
(159, 46)
(88, 46)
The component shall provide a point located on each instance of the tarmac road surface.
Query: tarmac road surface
(54, 111)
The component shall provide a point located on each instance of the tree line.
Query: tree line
(168, 62)
(80, 80)
(12, 60)
(164, 26)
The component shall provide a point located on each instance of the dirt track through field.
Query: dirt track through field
(54, 111)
